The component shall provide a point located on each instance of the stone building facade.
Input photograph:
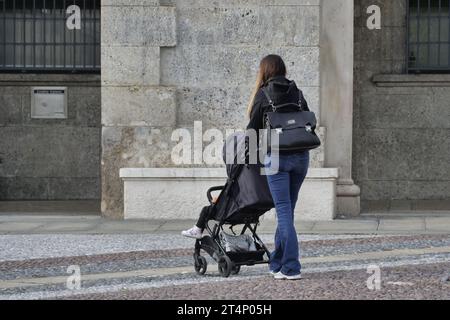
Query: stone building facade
(49, 156)
(166, 64)
(401, 139)
(49, 159)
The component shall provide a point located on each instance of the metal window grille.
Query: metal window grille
(34, 36)
(428, 37)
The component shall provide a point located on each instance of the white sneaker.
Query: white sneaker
(273, 272)
(194, 232)
(281, 276)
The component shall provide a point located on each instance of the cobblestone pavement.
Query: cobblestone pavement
(159, 266)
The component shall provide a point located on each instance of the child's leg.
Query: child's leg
(196, 232)
(203, 218)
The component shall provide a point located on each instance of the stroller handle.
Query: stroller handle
(210, 190)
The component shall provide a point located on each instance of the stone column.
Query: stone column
(336, 72)
(137, 112)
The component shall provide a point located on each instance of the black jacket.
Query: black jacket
(281, 92)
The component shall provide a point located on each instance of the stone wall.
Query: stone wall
(402, 123)
(49, 159)
(166, 64)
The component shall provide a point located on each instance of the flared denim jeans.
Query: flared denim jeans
(285, 177)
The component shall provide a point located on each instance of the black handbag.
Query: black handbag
(289, 127)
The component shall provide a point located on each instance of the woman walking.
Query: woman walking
(292, 166)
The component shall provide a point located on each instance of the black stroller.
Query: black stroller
(242, 201)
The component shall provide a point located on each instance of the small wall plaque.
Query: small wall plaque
(49, 103)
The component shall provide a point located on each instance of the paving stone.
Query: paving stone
(401, 282)
(161, 267)
(302, 226)
(49, 218)
(128, 227)
(367, 224)
(359, 226)
(24, 227)
(66, 226)
(178, 225)
(438, 224)
(407, 225)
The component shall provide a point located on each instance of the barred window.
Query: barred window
(428, 36)
(34, 36)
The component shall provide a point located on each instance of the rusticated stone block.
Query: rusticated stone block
(224, 107)
(138, 106)
(231, 66)
(200, 26)
(138, 147)
(130, 65)
(249, 25)
(138, 26)
(291, 26)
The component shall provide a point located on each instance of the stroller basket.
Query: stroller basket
(247, 258)
(229, 261)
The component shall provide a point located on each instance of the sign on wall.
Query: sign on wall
(49, 103)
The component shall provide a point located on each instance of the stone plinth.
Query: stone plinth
(175, 193)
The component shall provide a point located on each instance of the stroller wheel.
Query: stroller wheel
(225, 266)
(235, 269)
(200, 264)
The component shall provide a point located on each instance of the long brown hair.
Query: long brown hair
(269, 67)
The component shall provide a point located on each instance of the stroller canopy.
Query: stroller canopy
(246, 194)
(234, 152)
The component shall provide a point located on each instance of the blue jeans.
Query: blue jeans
(285, 186)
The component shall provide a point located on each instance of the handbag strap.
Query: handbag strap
(271, 103)
(301, 98)
(266, 93)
